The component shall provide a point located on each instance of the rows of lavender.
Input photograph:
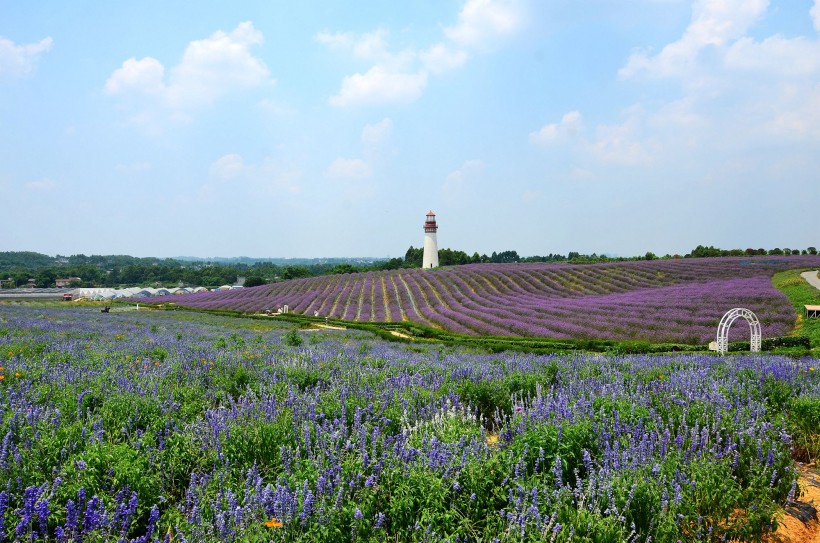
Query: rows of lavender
(670, 300)
(169, 426)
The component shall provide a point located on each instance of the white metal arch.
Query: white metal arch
(726, 322)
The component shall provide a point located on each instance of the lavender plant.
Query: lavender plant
(660, 300)
(170, 426)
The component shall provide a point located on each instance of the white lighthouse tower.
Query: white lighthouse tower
(430, 258)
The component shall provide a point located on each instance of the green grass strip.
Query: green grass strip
(800, 293)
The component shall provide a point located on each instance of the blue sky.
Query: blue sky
(311, 129)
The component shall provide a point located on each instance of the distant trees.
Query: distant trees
(120, 270)
(700, 252)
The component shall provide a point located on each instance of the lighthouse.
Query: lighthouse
(430, 258)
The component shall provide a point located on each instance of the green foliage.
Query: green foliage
(259, 445)
(800, 293)
(803, 417)
(103, 422)
(539, 447)
(490, 398)
(293, 339)
(105, 465)
(254, 281)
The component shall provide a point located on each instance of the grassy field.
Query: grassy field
(800, 293)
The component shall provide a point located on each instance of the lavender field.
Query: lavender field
(150, 426)
(662, 300)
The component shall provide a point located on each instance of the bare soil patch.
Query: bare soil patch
(799, 523)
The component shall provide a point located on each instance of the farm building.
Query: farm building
(812, 311)
(132, 292)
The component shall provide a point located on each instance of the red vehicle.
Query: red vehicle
(67, 297)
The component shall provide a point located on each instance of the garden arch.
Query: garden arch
(726, 322)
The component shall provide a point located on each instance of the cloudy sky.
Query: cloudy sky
(330, 128)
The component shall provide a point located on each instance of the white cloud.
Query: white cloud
(228, 167)
(737, 93)
(209, 69)
(481, 22)
(216, 66)
(145, 75)
(714, 23)
(776, 55)
(369, 47)
(570, 126)
(619, 144)
(401, 77)
(815, 14)
(392, 77)
(377, 134)
(349, 168)
(19, 60)
(379, 86)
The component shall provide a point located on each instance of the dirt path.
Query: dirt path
(811, 278)
(799, 522)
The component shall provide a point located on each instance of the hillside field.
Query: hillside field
(661, 300)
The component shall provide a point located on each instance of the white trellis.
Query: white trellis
(726, 322)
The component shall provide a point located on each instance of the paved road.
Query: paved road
(811, 277)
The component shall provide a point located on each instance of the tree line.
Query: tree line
(20, 268)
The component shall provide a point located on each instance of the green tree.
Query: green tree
(295, 272)
(450, 257)
(414, 257)
(392, 264)
(254, 281)
(343, 268)
(700, 251)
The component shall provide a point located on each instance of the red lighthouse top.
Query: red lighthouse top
(430, 223)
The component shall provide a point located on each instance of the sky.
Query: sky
(329, 129)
